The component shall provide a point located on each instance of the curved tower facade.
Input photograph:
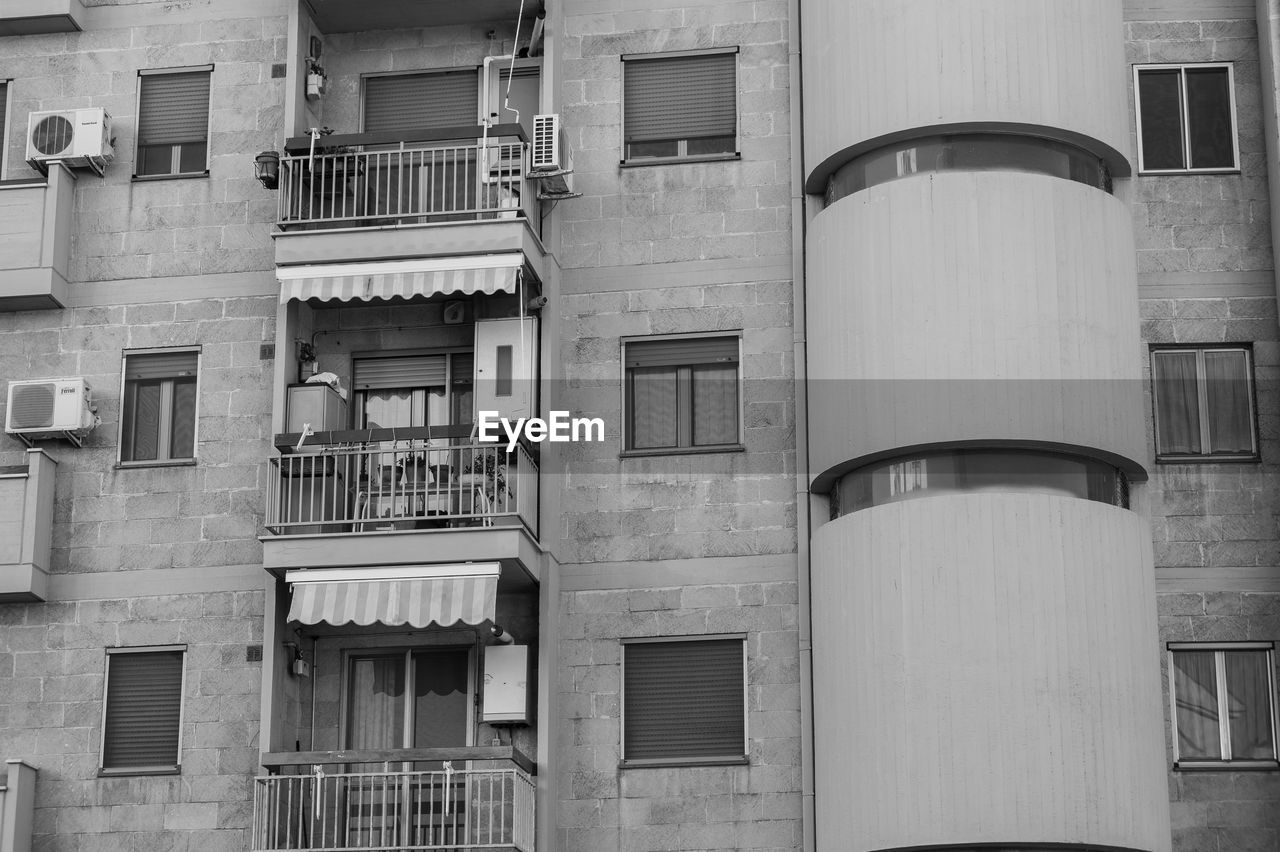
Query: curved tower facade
(983, 595)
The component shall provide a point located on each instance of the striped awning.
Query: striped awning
(347, 282)
(416, 596)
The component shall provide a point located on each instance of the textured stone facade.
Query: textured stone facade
(140, 229)
(602, 807)
(1206, 223)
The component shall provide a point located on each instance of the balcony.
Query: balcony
(328, 505)
(477, 798)
(380, 196)
(35, 240)
(345, 16)
(36, 17)
(26, 525)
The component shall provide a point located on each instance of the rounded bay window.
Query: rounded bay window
(968, 471)
(968, 152)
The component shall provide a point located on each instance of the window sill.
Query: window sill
(640, 162)
(1224, 459)
(127, 465)
(1235, 170)
(180, 176)
(139, 770)
(660, 762)
(1228, 766)
(681, 451)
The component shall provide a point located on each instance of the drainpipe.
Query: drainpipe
(1268, 15)
(803, 504)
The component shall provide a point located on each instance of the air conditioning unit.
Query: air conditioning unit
(50, 408)
(78, 137)
(552, 159)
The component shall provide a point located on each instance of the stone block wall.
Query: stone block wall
(111, 525)
(1223, 518)
(1206, 223)
(128, 229)
(110, 518)
(694, 211)
(676, 507)
(52, 667)
(603, 808)
(1215, 811)
(1204, 254)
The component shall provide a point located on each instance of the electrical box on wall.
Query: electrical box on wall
(506, 685)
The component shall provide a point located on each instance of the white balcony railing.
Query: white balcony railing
(441, 799)
(346, 488)
(390, 811)
(411, 183)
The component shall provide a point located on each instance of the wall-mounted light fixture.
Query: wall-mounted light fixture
(266, 168)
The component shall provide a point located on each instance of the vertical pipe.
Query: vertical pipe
(1268, 18)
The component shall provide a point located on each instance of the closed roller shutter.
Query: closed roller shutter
(415, 101)
(684, 700)
(680, 97)
(144, 709)
(173, 109)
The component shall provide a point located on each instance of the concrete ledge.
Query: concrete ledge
(37, 17)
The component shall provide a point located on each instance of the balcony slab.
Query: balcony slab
(398, 242)
(511, 546)
(37, 17)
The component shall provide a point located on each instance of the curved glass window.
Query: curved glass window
(969, 152)
(967, 471)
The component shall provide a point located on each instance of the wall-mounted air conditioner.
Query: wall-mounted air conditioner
(50, 408)
(552, 159)
(81, 138)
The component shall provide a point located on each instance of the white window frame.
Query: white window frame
(1202, 400)
(1219, 650)
(175, 153)
(166, 434)
(692, 449)
(407, 652)
(176, 767)
(682, 154)
(1183, 118)
(452, 69)
(724, 760)
(6, 121)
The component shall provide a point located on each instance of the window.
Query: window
(1204, 403)
(970, 152)
(1186, 118)
(1223, 704)
(684, 700)
(680, 105)
(409, 699)
(173, 122)
(4, 124)
(158, 413)
(966, 471)
(408, 102)
(682, 394)
(142, 710)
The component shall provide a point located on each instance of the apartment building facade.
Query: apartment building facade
(934, 347)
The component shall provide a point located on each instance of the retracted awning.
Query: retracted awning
(346, 282)
(414, 595)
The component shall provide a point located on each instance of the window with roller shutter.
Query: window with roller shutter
(408, 102)
(682, 394)
(684, 700)
(142, 710)
(158, 413)
(680, 105)
(173, 122)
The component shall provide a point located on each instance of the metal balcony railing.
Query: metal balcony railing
(401, 485)
(412, 182)
(454, 805)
